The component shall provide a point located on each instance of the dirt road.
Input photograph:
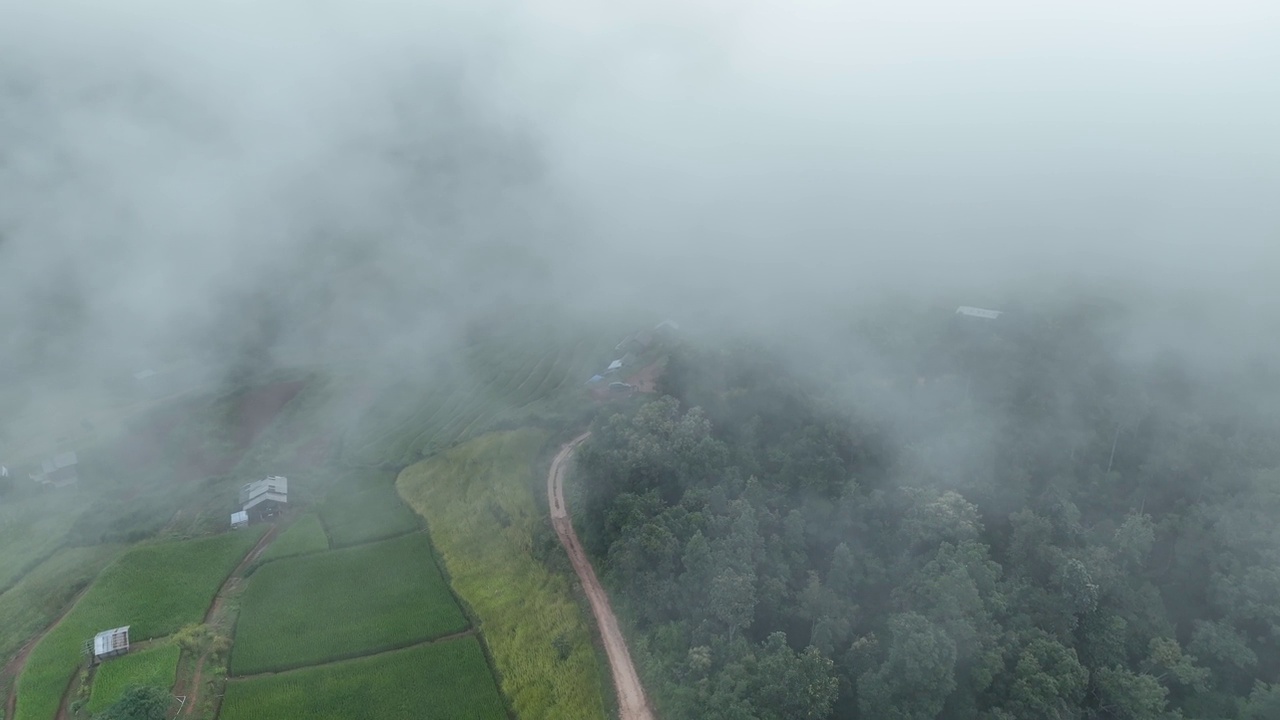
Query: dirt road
(631, 700)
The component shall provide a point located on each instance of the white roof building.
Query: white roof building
(274, 488)
(615, 365)
(59, 470)
(110, 643)
(978, 312)
(239, 518)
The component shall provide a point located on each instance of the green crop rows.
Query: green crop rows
(343, 603)
(30, 531)
(375, 512)
(38, 598)
(154, 666)
(441, 680)
(155, 589)
(303, 537)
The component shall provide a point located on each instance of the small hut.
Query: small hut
(110, 643)
(239, 519)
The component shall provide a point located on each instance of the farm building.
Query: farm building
(58, 471)
(978, 312)
(239, 519)
(595, 379)
(264, 498)
(615, 365)
(110, 643)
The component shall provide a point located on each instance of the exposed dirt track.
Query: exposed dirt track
(14, 668)
(632, 704)
(190, 687)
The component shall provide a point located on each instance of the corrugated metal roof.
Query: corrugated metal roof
(109, 641)
(239, 516)
(274, 484)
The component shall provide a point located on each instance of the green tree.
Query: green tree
(915, 679)
(1127, 695)
(139, 703)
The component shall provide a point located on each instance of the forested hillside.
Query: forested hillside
(1007, 519)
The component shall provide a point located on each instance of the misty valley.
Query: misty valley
(675, 360)
(1000, 515)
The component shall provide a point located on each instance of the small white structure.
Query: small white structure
(239, 519)
(978, 312)
(615, 365)
(59, 471)
(110, 643)
(264, 497)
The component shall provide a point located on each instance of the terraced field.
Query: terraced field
(343, 603)
(153, 666)
(156, 589)
(303, 537)
(365, 511)
(447, 679)
(35, 601)
(31, 530)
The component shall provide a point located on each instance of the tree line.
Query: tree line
(1001, 521)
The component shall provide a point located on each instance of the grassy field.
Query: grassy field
(29, 607)
(156, 589)
(304, 536)
(342, 603)
(503, 379)
(153, 666)
(365, 512)
(445, 680)
(482, 516)
(32, 529)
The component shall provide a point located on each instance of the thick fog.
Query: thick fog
(332, 178)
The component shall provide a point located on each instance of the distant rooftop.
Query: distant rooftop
(57, 462)
(979, 312)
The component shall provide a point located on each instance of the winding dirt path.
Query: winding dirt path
(632, 704)
(190, 687)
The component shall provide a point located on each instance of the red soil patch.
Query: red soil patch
(646, 381)
(152, 442)
(259, 407)
(314, 453)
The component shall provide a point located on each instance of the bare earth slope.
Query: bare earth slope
(631, 700)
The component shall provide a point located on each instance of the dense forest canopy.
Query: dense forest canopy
(1020, 518)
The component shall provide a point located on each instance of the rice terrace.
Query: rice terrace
(299, 543)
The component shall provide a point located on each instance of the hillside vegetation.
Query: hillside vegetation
(489, 524)
(1005, 521)
(156, 589)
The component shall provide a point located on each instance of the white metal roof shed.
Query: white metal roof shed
(111, 641)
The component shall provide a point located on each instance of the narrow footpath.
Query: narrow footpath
(632, 704)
